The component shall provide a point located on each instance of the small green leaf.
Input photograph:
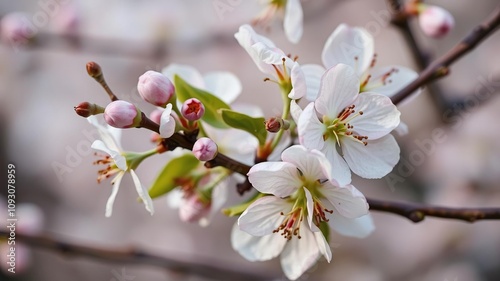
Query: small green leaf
(325, 229)
(175, 168)
(254, 126)
(212, 103)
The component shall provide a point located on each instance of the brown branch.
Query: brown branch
(418, 212)
(440, 67)
(134, 256)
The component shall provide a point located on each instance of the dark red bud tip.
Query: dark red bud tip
(86, 109)
(93, 69)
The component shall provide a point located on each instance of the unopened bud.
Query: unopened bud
(16, 28)
(274, 124)
(155, 115)
(86, 109)
(155, 88)
(435, 21)
(205, 149)
(193, 109)
(193, 209)
(93, 69)
(122, 114)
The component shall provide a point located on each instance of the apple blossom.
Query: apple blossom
(205, 149)
(351, 129)
(303, 200)
(435, 21)
(292, 21)
(155, 88)
(118, 163)
(122, 114)
(192, 109)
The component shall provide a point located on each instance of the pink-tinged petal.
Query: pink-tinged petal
(348, 201)
(374, 160)
(360, 227)
(167, 122)
(389, 80)
(323, 246)
(186, 72)
(278, 178)
(339, 88)
(142, 192)
(310, 210)
(256, 248)
(340, 173)
(313, 74)
(295, 111)
(119, 159)
(310, 129)
(346, 44)
(300, 254)
(312, 163)
(111, 200)
(224, 85)
(293, 21)
(380, 116)
(299, 87)
(264, 215)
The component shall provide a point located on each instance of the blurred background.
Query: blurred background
(40, 133)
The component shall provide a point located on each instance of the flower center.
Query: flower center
(375, 82)
(291, 223)
(340, 127)
(110, 168)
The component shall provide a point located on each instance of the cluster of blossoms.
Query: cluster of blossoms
(337, 119)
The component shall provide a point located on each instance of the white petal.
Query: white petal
(323, 246)
(313, 74)
(219, 197)
(174, 198)
(396, 81)
(346, 44)
(269, 55)
(263, 216)
(224, 85)
(312, 163)
(340, 173)
(293, 21)
(348, 201)
(109, 135)
(374, 160)
(111, 200)
(310, 210)
(380, 116)
(299, 87)
(167, 122)
(256, 248)
(310, 129)
(247, 37)
(300, 254)
(186, 72)
(278, 178)
(339, 88)
(119, 159)
(359, 227)
(295, 111)
(143, 193)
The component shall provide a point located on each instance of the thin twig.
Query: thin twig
(440, 67)
(134, 256)
(418, 212)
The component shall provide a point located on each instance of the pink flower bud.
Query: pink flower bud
(435, 21)
(193, 109)
(205, 149)
(68, 19)
(155, 88)
(193, 209)
(122, 114)
(16, 28)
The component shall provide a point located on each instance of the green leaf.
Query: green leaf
(212, 103)
(175, 168)
(254, 126)
(325, 229)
